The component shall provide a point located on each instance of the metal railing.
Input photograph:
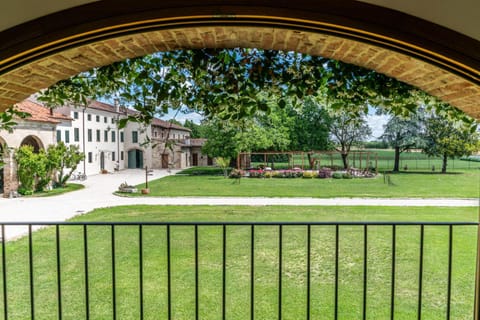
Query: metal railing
(262, 270)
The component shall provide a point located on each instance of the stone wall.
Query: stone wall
(10, 181)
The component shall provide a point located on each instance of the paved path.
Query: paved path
(98, 193)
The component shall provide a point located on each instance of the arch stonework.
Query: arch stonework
(434, 65)
(34, 142)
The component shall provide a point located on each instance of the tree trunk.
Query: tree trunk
(396, 164)
(444, 163)
(345, 160)
(311, 161)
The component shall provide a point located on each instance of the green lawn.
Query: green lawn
(238, 264)
(58, 191)
(458, 184)
(409, 160)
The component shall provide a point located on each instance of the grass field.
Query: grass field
(409, 160)
(456, 184)
(238, 265)
(58, 191)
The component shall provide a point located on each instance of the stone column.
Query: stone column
(10, 182)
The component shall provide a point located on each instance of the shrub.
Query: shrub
(309, 174)
(337, 175)
(236, 174)
(325, 173)
(347, 176)
(256, 173)
(270, 174)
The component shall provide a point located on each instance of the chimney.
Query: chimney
(116, 104)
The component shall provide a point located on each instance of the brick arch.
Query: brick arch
(33, 141)
(441, 62)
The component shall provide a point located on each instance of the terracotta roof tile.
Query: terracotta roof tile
(166, 125)
(40, 113)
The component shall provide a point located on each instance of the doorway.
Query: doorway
(165, 161)
(102, 161)
(195, 159)
(135, 159)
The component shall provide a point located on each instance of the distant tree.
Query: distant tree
(223, 163)
(449, 138)
(402, 135)
(311, 128)
(62, 161)
(346, 131)
(197, 129)
(260, 133)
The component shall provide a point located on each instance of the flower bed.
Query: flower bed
(323, 173)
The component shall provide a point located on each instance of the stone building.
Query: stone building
(38, 131)
(106, 147)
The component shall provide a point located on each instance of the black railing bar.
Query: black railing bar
(59, 272)
(4, 276)
(280, 254)
(420, 272)
(224, 272)
(309, 277)
(196, 272)
(30, 264)
(241, 223)
(449, 281)
(252, 272)
(169, 276)
(365, 271)
(114, 275)
(85, 255)
(337, 247)
(140, 271)
(394, 252)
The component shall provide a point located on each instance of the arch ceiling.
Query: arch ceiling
(434, 44)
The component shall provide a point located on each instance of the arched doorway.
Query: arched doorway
(34, 142)
(135, 159)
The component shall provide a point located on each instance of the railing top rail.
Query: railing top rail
(241, 223)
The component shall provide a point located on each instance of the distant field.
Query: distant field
(408, 161)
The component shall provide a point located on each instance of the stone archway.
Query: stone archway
(34, 142)
(439, 61)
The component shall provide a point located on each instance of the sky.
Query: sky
(376, 122)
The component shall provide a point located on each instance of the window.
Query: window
(105, 136)
(89, 117)
(59, 135)
(98, 135)
(121, 136)
(121, 155)
(90, 158)
(113, 156)
(89, 134)
(76, 134)
(67, 136)
(113, 136)
(97, 118)
(75, 115)
(155, 133)
(134, 136)
(113, 121)
(105, 119)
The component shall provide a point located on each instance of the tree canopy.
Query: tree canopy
(231, 83)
